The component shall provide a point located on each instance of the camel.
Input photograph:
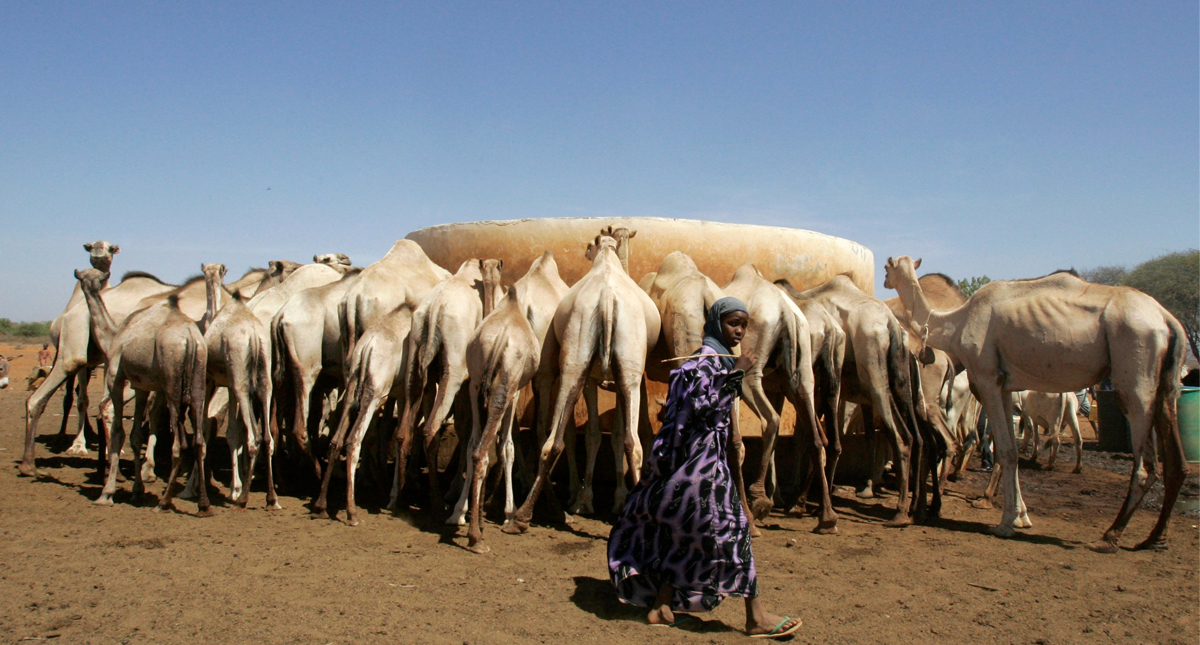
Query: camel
(239, 358)
(306, 347)
(3, 372)
(334, 260)
(376, 373)
(602, 329)
(442, 327)
(622, 235)
(1052, 412)
(1061, 334)
(778, 336)
(77, 352)
(502, 358)
(268, 303)
(538, 292)
(876, 373)
(405, 275)
(159, 350)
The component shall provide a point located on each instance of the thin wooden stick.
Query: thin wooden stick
(684, 358)
(972, 584)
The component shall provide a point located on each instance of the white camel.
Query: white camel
(602, 329)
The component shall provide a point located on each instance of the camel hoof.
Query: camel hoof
(898, 522)
(826, 529)
(353, 521)
(479, 548)
(866, 493)
(25, 470)
(165, 508)
(103, 501)
(1152, 545)
(760, 508)
(983, 503)
(1023, 522)
(319, 514)
(1002, 531)
(1078, 471)
(1103, 546)
(755, 531)
(515, 527)
(456, 520)
(274, 506)
(206, 512)
(76, 451)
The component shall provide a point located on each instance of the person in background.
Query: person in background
(45, 356)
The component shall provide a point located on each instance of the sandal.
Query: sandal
(779, 631)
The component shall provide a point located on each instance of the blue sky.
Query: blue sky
(989, 138)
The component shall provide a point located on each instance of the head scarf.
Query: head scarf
(714, 336)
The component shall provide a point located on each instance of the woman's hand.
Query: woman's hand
(745, 362)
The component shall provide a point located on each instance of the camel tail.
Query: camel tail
(192, 382)
(607, 320)
(429, 344)
(1167, 405)
(260, 365)
(791, 348)
(348, 326)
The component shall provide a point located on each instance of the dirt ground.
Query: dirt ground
(74, 573)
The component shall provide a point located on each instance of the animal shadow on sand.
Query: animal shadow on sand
(599, 598)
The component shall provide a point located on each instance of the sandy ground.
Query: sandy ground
(74, 573)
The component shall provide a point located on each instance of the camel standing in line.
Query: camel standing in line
(442, 327)
(876, 373)
(1062, 334)
(376, 374)
(502, 358)
(539, 291)
(160, 350)
(239, 358)
(268, 303)
(602, 329)
(779, 337)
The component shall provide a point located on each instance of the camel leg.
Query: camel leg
(1073, 422)
(116, 383)
(155, 414)
(79, 445)
(570, 383)
(501, 403)
(584, 495)
(447, 391)
(348, 406)
(902, 454)
(178, 438)
(137, 441)
(630, 381)
(870, 434)
(508, 456)
(302, 386)
(68, 403)
(1145, 470)
(403, 440)
(998, 406)
(803, 402)
(736, 455)
(458, 515)
(353, 448)
(756, 397)
(35, 405)
(1166, 424)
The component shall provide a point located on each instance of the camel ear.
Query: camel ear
(500, 264)
(316, 257)
(115, 249)
(632, 234)
(890, 262)
(276, 266)
(88, 247)
(78, 275)
(917, 264)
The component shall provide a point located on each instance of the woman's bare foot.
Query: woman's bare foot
(760, 622)
(660, 613)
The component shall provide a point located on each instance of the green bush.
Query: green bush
(24, 329)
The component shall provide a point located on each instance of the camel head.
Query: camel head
(899, 271)
(601, 242)
(493, 292)
(282, 268)
(332, 259)
(101, 254)
(91, 279)
(622, 235)
(215, 271)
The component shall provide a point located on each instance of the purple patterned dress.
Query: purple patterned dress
(683, 524)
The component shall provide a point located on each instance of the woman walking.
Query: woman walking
(682, 542)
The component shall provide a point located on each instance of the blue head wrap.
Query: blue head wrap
(714, 336)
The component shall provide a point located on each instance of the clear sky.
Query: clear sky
(998, 138)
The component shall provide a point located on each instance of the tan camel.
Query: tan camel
(779, 338)
(405, 275)
(159, 350)
(376, 373)
(876, 373)
(239, 358)
(622, 235)
(334, 260)
(268, 303)
(502, 358)
(602, 329)
(538, 293)
(77, 352)
(307, 356)
(1052, 412)
(437, 346)
(1062, 334)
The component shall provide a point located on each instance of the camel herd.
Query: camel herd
(297, 357)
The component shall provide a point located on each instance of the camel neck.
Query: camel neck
(937, 326)
(102, 324)
(210, 301)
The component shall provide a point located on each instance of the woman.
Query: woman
(682, 542)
